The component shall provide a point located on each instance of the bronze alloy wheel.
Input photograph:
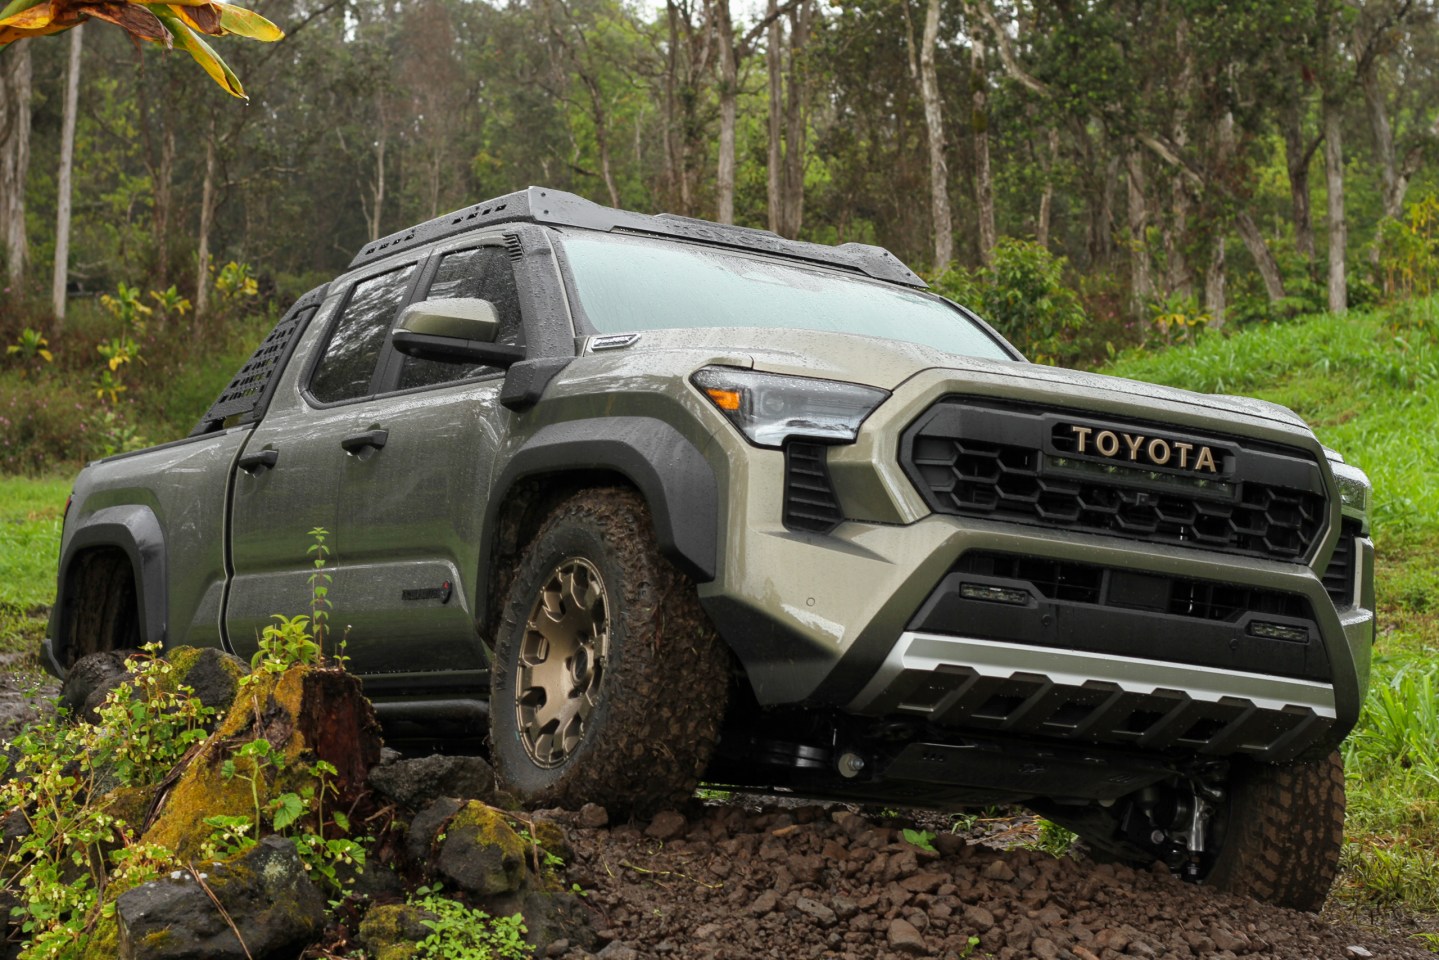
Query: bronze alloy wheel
(562, 661)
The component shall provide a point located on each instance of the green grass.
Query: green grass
(1368, 383)
(30, 514)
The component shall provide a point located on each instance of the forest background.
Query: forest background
(1255, 182)
(1093, 175)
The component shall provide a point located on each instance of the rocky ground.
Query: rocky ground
(744, 877)
(727, 881)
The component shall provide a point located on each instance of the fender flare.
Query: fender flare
(669, 471)
(135, 531)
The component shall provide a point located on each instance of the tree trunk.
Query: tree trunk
(1215, 300)
(796, 119)
(1141, 276)
(1046, 196)
(983, 178)
(1392, 186)
(788, 117)
(62, 187)
(207, 216)
(14, 159)
(1334, 181)
(729, 109)
(774, 62)
(1263, 257)
(934, 123)
(1297, 157)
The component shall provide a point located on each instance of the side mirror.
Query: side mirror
(461, 329)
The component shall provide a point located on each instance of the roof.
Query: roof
(558, 208)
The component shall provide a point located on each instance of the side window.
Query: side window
(482, 272)
(348, 365)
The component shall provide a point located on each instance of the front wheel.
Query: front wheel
(1283, 832)
(609, 682)
(1273, 832)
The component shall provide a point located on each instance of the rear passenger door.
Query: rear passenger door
(292, 472)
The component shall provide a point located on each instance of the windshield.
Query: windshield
(628, 284)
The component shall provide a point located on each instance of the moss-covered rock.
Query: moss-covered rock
(265, 893)
(392, 931)
(481, 852)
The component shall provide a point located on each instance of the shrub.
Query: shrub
(1022, 293)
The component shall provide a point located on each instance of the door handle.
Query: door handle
(255, 462)
(374, 439)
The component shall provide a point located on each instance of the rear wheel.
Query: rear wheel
(609, 683)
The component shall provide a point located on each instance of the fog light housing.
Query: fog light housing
(1267, 630)
(990, 593)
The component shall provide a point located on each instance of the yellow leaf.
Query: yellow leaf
(248, 23)
(19, 6)
(36, 17)
(218, 70)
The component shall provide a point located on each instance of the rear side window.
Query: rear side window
(484, 273)
(348, 365)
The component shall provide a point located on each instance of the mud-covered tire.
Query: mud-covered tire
(656, 691)
(1282, 832)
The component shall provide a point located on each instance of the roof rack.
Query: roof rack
(556, 207)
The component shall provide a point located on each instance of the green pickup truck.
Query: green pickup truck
(649, 500)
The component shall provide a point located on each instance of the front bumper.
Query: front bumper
(833, 621)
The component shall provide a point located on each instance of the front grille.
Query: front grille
(1018, 463)
(810, 503)
(1339, 574)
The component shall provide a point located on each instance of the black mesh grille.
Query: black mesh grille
(1177, 596)
(1339, 574)
(1006, 464)
(809, 500)
(247, 393)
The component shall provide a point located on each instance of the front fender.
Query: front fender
(674, 477)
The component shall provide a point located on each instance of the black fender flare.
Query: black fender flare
(668, 470)
(134, 530)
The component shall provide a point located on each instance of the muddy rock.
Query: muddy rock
(89, 680)
(428, 824)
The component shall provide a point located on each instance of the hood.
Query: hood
(880, 362)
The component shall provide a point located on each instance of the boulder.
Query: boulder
(415, 784)
(391, 931)
(264, 891)
(481, 853)
(89, 680)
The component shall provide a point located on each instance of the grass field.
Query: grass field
(1367, 382)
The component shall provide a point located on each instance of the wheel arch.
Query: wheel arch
(131, 535)
(649, 455)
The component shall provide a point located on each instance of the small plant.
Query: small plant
(923, 839)
(459, 932)
(235, 280)
(30, 346)
(320, 581)
(284, 644)
(127, 307)
(1177, 320)
(1054, 839)
(170, 303)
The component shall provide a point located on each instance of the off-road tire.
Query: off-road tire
(1282, 832)
(664, 679)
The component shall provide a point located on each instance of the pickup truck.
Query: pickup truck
(648, 500)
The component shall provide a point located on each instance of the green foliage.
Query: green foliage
(234, 281)
(923, 839)
(1024, 296)
(1409, 251)
(285, 643)
(76, 848)
(459, 932)
(1054, 839)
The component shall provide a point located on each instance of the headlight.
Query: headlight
(769, 408)
(1354, 489)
